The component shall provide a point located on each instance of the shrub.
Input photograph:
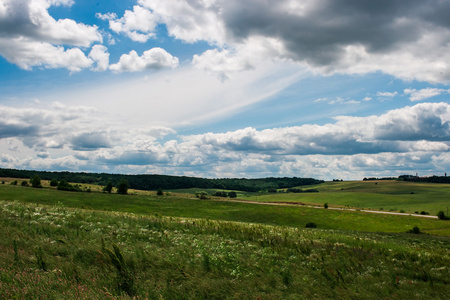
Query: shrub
(311, 225)
(54, 182)
(201, 195)
(424, 213)
(24, 183)
(122, 188)
(160, 192)
(108, 187)
(232, 194)
(14, 182)
(36, 182)
(441, 216)
(325, 205)
(63, 185)
(415, 230)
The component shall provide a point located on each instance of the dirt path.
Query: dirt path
(334, 208)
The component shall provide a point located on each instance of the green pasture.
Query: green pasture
(56, 252)
(186, 205)
(386, 195)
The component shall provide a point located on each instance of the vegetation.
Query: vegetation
(153, 182)
(429, 198)
(57, 252)
(36, 182)
(108, 187)
(122, 187)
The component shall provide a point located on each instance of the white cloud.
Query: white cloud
(30, 37)
(409, 138)
(387, 94)
(197, 20)
(139, 25)
(407, 40)
(155, 58)
(419, 95)
(99, 54)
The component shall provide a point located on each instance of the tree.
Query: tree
(36, 181)
(54, 182)
(122, 188)
(108, 188)
(160, 192)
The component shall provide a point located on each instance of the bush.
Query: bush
(65, 186)
(108, 187)
(232, 194)
(325, 205)
(424, 213)
(54, 182)
(24, 183)
(441, 216)
(36, 182)
(311, 225)
(122, 188)
(220, 194)
(415, 230)
(14, 182)
(160, 192)
(201, 195)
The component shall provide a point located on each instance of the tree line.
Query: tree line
(155, 182)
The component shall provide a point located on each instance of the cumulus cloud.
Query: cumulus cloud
(155, 58)
(99, 54)
(90, 141)
(30, 37)
(415, 137)
(406, 40)
(139, 24)
(419, 95)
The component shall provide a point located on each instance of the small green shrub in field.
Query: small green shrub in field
(159, 192)
(441, 215)
(325, 205)
(311, 225)
(415, 230)
(54, 182)
(24, 183)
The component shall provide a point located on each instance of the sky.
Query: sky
(329, 89)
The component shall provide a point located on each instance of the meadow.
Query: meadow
(389, 195)
(71, 245)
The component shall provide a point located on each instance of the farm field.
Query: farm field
(385, 194)
(186, 205)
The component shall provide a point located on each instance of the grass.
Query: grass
(186, 205)
(389, 195)
(91, 254)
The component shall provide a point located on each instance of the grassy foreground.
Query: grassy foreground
(57, 252)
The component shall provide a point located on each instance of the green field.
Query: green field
(79, 245)
(186, 205)
(385, 194)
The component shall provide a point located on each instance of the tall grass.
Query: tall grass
(110, 255)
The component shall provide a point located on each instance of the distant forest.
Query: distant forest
(430, 179)
(154, 182)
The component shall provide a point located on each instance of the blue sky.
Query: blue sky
(215, 88)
